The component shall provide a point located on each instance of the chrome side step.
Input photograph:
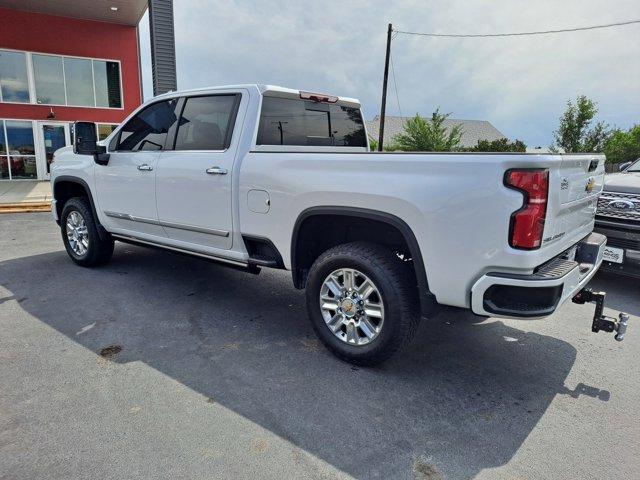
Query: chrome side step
(248, 267)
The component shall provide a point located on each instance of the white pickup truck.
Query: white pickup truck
(260, 176)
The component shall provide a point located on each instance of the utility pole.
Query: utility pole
(384, 89)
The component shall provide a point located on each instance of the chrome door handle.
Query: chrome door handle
(145, 167)
(216, 171)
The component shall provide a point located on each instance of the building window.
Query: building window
(76, 81)
(17, 150)
(4, 159)
(49, 79)
(79, 81)
(59, 80)
(14, 84)
(104, 130)
(107, 84)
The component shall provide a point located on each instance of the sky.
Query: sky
(519, 84)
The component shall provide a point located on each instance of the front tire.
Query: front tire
(80, 234)
(362, 303)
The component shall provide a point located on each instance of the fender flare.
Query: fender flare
(70, 179)
(427, 299)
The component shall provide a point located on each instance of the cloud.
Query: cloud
(520, 84)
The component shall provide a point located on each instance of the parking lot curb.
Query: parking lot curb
(25, 207)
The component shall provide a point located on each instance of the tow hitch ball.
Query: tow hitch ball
(601, 321)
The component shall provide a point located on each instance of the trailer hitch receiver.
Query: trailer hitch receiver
(600, 320)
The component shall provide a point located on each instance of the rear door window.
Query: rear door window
(289, 121)
(206, 123)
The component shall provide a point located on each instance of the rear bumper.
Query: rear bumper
(540, 293)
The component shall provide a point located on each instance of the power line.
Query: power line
(517, 34)
(395, 85)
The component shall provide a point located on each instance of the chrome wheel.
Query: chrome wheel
(352, 306)
(77, 233)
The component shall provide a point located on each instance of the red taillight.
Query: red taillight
(527, 224)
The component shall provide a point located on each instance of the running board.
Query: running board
(264, 261)
(245, 267)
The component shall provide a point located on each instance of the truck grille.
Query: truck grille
(619, 205)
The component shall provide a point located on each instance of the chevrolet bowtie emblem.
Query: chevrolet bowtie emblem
(590, 184)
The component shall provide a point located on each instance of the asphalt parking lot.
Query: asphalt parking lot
(220, 376)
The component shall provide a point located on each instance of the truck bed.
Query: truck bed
(456, 204)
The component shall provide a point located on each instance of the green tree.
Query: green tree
(373, 144)
(500, 145)
(422, 135)
(574, 133)
(623, 146)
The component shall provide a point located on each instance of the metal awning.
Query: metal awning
(125, 12)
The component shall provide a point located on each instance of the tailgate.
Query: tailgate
(574, 188)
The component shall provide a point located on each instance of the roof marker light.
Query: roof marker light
(318, 97)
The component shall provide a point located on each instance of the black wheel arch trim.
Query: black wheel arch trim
(102, 232)
(427, 299)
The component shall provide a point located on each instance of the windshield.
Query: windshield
(634, 167)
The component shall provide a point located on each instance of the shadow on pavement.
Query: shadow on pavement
(626, 300)
(464, 396)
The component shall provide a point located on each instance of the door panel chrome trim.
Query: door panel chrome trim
(123, 216)
(144, 220)
(177, 249)
(193, 228)
(178, 226)
(126, 216)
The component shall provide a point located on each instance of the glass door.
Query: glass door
(53, 136)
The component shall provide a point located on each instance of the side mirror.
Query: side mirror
(85, 138)
(623, 166)
(85, 142)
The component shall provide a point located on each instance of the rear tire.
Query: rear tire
(80, 234)
(384, 322)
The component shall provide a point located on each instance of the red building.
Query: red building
(61, 62)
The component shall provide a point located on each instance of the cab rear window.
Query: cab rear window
(287, 121)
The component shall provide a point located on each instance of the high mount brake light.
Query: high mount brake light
(318, 97)
(527, 223)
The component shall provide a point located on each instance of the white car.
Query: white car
(260, 176)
